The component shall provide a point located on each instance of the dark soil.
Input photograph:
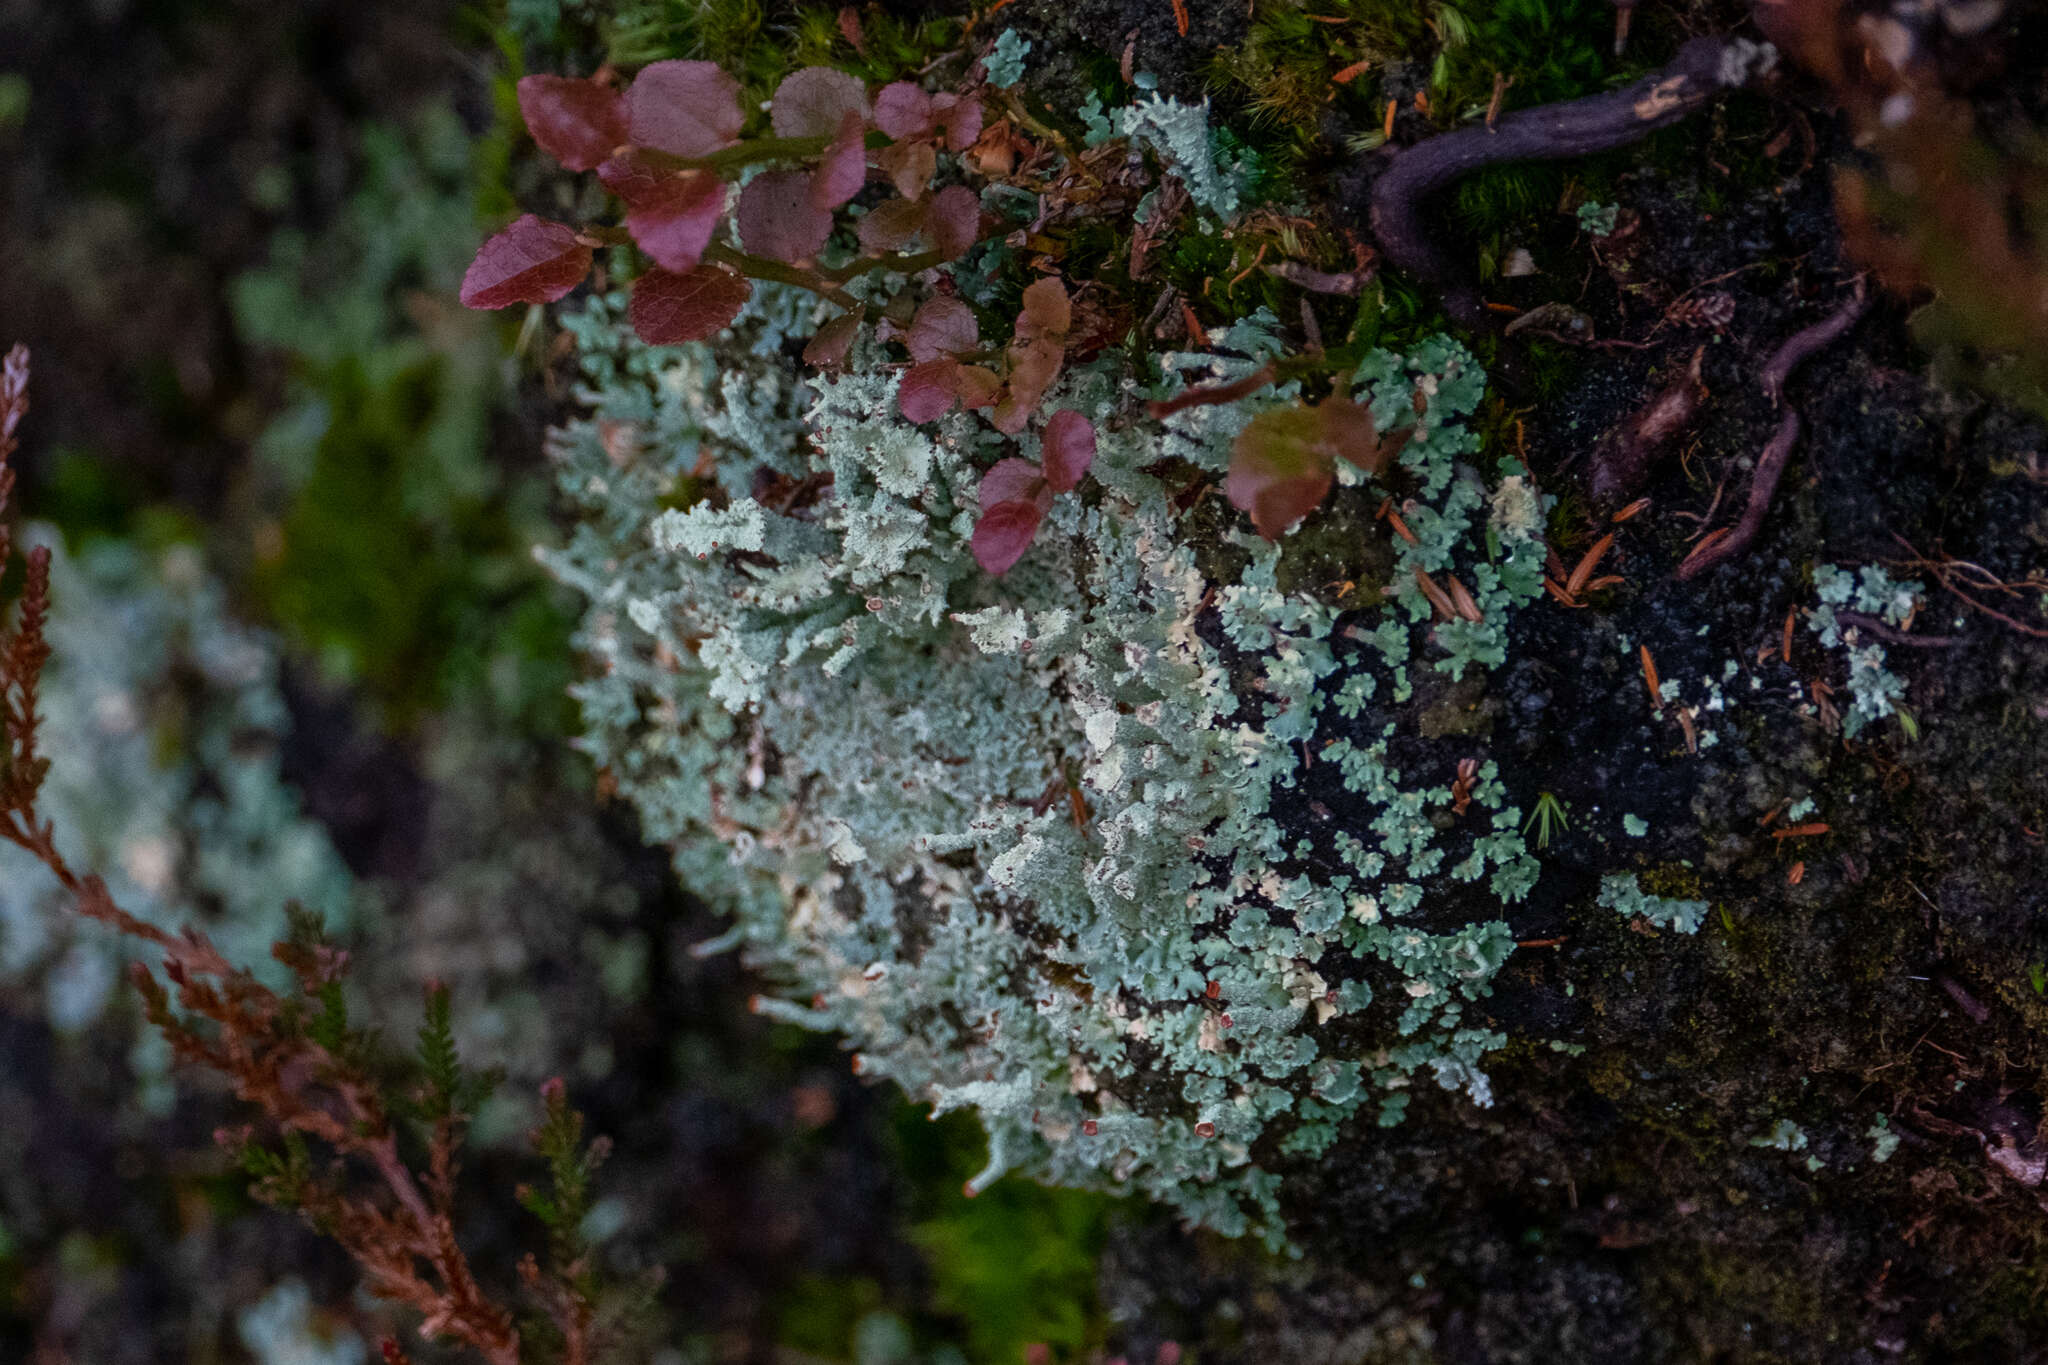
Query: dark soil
(1611, 1206)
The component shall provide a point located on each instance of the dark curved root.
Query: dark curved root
(1770, 466)
(1702, 69)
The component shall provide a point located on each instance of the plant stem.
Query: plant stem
(762, 268)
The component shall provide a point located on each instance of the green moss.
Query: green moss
(820, 1313)
(1013, 1266)
(761, 41)
(392, 547)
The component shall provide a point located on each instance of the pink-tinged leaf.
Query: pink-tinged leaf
(978, 386)
(811, 102)
(910, 167)
(1004, 533)
(674, 224)
(891, 224)
(903, 110)
(958, 120)
(1033, 368)
(943, 326)
(577, 122)
(532, 261)
(669, 309)
(1281, 468)
(828, 348)
(844, 167)
(635, 178)
(1046, 310)
(1014, 480)
(777, 218)
(1069, 442)
(684, 108)
(927, 392)
(955, 221)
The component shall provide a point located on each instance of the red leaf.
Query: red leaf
(1069, 442)
(634, 177)
(903, 110)
(684, 108)
(669, 309)
(1014, 480)
(928, 391)
(1046, 310)
(532, 261)
(956, 221)
(1004, 533)
(943, 326)
(777, 218)
(891, 224)
(828, 348)
(1281, 468)
(674, 223)
(844, 167)
(910, 166)
(810, 102)
(958, 119)
(577, 122)
(1349, 433)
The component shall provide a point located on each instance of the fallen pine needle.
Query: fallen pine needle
(1576, 584)
(1631, 510)
(1800, 831)
(1650, 680)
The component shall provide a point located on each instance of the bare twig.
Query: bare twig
(1770, 465)
(1702, 69)
(1892, 635)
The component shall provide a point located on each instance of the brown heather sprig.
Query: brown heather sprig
(298, 1061)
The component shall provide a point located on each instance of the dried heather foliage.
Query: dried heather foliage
(326, 1144)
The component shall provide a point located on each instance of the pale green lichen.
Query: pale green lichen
(1005, 61)
(1004, 834)
(1180, 134)
(1783, 1135)
(1599, 219)
(1874, 691)
(1621, 893)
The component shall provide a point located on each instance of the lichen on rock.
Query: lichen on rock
(1039, 846)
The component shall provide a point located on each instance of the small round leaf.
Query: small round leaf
(1004, 533)
(810, 102)
(777, 218)
(1069, 443)
(577, 122)
(532, 261)
(684, 108)
(669, 309)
